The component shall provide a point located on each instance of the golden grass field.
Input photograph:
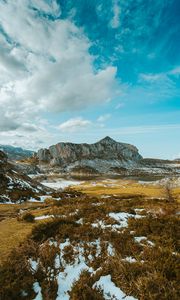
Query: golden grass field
(176, 194)
(13, 232)
(120, 187)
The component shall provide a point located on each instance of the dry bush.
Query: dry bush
(59, 226)
(163, 230)
(69, 254)
(124, 244)
(82, 288)
(27, 217)
(16, 275)
(47, 270)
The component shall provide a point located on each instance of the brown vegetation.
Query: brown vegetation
(153, 273)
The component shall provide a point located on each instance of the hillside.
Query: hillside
(16, 153)
(16, 186)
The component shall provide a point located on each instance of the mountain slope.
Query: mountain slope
(16, 186)
(16, 153)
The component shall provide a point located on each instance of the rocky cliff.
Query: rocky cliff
(101, 156)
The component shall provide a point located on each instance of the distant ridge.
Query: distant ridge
(16, 153)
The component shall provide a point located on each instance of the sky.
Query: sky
(78, 71)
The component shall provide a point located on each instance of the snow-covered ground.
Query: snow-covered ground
(60, 183)
(110, 290)
(70, 272)
(172, 182)
(44, 217)
(122, 217)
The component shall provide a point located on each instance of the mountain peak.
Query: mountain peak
(108, 140)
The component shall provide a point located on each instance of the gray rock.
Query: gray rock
(106, 152)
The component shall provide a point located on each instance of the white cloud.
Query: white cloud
(151, 77)
(50, 7)
(104, 118)
(129, 130)
(115, 22)
(120, 105)
(157, 86)
(176, 156)
(29, 137)
(45, 65)
(175, 71)
(74, 124)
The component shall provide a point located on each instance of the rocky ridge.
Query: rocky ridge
(16, 153)
(100, 156)
(106, 157)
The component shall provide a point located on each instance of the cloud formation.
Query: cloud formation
(115, 22)
(45, 64)
(74, 124)
(103, 118)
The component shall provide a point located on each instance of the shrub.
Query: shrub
(28, 217)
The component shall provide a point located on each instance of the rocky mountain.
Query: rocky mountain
(100, 156)
(16, 153)
(104, 157)
(16, 186)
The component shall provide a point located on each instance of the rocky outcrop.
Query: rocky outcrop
(101, 155)
(106, 157)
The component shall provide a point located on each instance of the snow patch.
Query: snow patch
(140, 239)
(71, 273)
(129, 259)
(110, 290)
(37, 290)
(61, 183)
(122, 218)
(43, 217)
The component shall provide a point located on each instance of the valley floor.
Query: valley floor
(105, 239)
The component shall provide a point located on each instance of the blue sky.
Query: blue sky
(80, 70)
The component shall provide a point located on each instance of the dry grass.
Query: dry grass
(12, 233)
(120, 187)
(176, 194)
(153, 276)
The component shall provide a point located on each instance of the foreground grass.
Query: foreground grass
(176, 194)
(13, 232)
(144, 256)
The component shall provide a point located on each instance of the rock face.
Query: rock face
(101, 155)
